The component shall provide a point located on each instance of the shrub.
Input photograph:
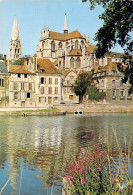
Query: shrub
(94, 94)
(94, 173)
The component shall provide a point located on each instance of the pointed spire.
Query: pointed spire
(65, 25)
(15, 31)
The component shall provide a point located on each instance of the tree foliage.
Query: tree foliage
(117, 28)
(94, 94)
(82, 82)
(19, 61)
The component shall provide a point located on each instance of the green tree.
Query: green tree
(94, 94)
(117, 28)
(19, 61)
(82, 82)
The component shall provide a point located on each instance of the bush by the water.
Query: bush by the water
(93, 172)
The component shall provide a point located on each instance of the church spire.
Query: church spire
(15, 45)
(15, 31)
(65, 25)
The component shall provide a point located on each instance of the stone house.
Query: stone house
(21, 87)
(68, 95)
(108, 79)
(48, 81)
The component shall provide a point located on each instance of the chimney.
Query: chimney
(26, 63)
(109, 66)
(35, 62)
(4, 58)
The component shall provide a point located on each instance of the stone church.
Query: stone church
(66, 50)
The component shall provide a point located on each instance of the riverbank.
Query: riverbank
(66, 108)
(96, 108)
(31, 112)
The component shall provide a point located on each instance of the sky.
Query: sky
(32, 15)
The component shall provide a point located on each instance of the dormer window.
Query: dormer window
(42, 70)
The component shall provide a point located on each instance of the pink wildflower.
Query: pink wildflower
(83, 181)
(68, 181)
(73, 167)
(80, 168)
(100, 167)
(84, 161)
(69, 170)
(114, 181)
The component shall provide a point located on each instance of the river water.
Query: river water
(35, 150)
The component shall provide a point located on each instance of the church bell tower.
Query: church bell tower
(15, 50)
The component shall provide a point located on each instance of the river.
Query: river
(35, 150)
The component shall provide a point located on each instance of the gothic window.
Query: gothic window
(78, 62)
(60, 45)
(53, 46)
(43, 45)
(72, 62)
(76, 44)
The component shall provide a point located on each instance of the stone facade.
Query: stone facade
(108, 79)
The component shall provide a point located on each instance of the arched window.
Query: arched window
(60, 45)
(72, 62)
(53, 46)
(76, 44)
(78, 62)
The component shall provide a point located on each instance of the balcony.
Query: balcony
(129, 97)
(113, 97)
(122, 97)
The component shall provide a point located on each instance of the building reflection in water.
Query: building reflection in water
(44, 145)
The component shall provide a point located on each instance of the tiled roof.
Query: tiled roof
(90, 48)
(113, 66)
(21, 71)
(65, 73)
(13, 67)
(75, 52)
(114, 54)
(65, 36)
(47, 66)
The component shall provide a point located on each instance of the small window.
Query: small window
(50, 80)
(113, 83)
(19, 75)
(28, 95)
(22, 86)
(25, 75)
(56, 81)
(16, 95)
(42, 70)
(102, 83)
(30, 86)
(56, 90)
(42, 80)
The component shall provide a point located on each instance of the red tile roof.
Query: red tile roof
(20, 70)
(65, 36)
(47, 66)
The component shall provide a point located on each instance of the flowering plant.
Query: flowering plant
(94, 173)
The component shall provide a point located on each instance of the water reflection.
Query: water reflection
(34, 150)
